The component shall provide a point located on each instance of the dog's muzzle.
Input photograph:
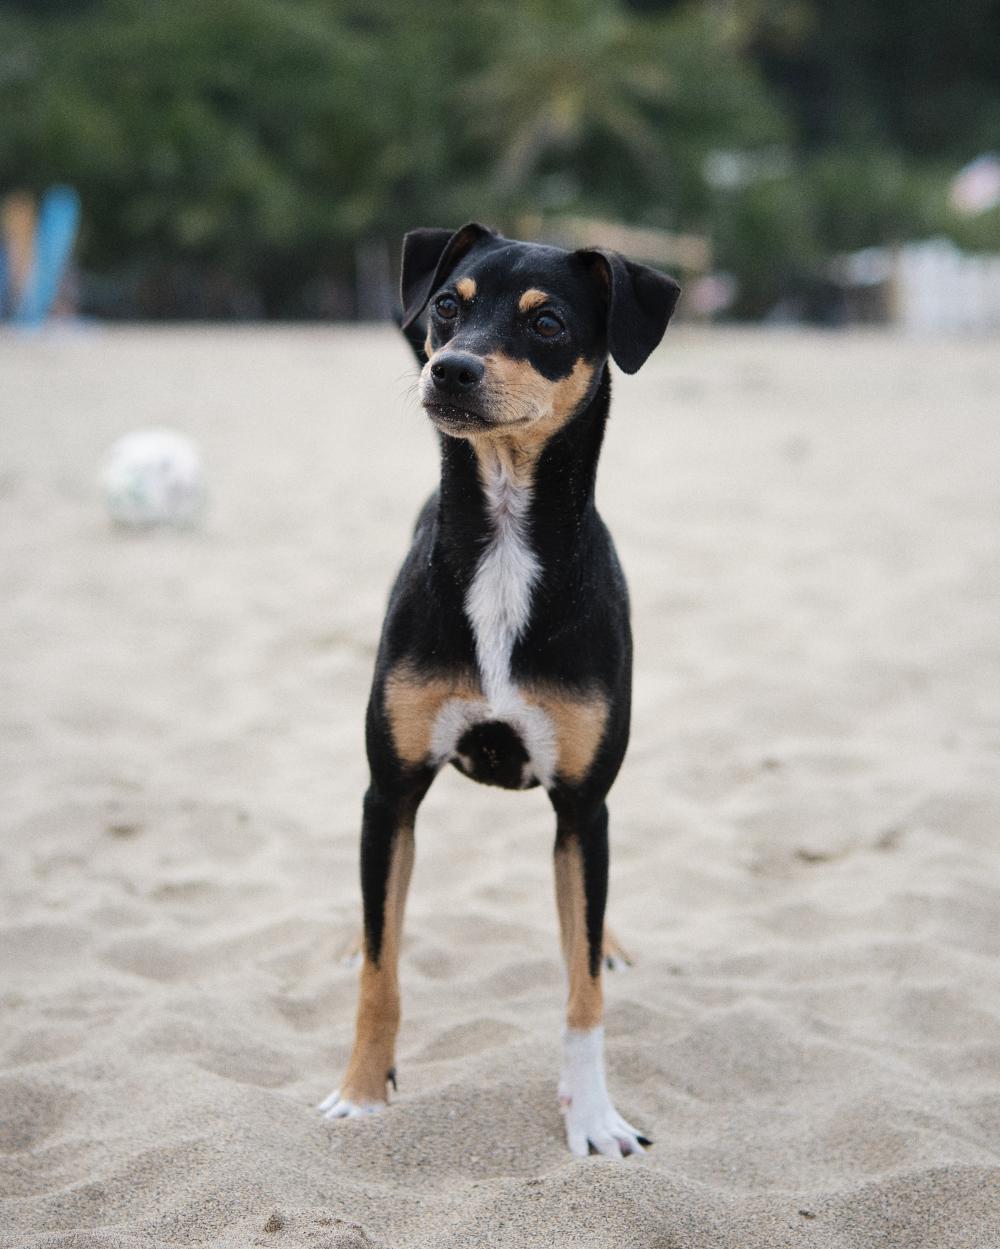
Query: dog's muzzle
(452, 390)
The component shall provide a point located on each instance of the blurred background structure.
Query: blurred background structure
(261, 158)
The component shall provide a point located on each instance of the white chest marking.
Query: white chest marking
(498, 606)
(498, 603)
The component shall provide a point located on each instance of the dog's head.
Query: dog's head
(518, 333)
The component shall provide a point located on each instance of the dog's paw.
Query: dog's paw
(337, 1107)
(602, 1129)
(591, 1120)
(593, 1123)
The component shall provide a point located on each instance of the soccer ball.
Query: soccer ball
(153, 477)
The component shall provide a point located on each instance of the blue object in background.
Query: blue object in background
(4, 278)
(58, 222)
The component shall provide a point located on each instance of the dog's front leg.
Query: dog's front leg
(386, 862)
(581, 871)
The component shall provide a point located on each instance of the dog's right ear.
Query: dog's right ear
(428, 256)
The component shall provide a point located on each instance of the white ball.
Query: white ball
(153, 477)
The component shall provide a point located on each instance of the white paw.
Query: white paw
(337, 1107)
(591, 1119)
(616, 962)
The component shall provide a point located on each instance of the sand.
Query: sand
(805, 833)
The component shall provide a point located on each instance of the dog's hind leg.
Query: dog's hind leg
(581, 871)
(350, 955)
(614, 956)
(387, 849)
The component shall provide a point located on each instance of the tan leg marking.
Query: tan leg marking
(585, 1006)
(532, 298)
(579, 727)
(466, 287)
(373, 1056)
(412, 701)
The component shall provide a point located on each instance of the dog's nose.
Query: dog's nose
(457, 373)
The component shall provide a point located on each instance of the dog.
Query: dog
(506, 648)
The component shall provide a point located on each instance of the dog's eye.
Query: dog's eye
(547, 325)
(446, 306)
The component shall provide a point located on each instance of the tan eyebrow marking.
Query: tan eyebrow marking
(466, 287)
(531, 298)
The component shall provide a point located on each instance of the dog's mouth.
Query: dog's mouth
(453, 418)
(447, 411)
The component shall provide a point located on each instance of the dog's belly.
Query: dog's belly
(523, 736)
(512, 746)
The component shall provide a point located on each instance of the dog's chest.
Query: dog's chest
(490, 726)
(501, 738)
(498, 600)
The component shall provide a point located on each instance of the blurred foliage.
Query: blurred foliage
(923, 78)
(250, 146)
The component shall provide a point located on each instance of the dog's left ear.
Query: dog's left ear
(428, 255)
(640, 303)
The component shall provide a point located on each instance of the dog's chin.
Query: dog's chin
(451, 419)
(465, 422)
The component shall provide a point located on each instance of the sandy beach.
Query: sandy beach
(805, 834)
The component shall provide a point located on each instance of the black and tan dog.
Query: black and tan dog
(506, 648)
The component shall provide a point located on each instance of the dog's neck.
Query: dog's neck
(544, 492)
